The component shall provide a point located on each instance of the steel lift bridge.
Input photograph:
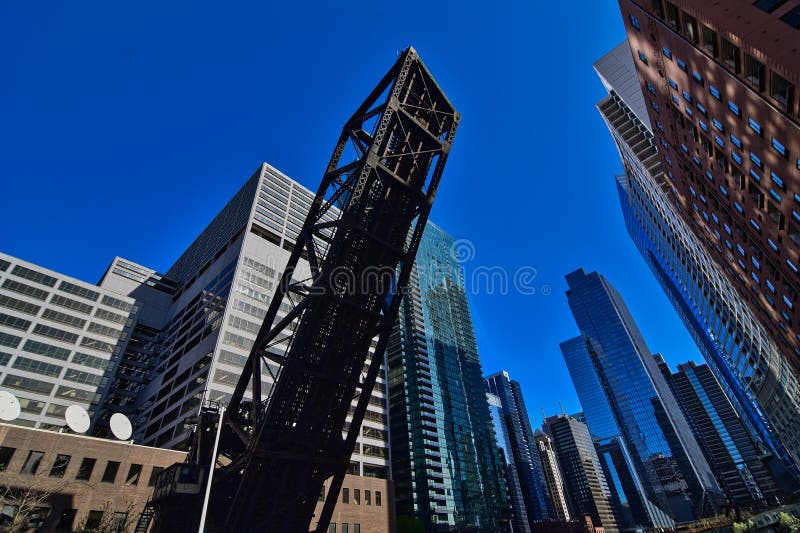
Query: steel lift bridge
(275, 456)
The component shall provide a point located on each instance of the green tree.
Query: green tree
(787, 523)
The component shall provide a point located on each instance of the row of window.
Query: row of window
(58, 468)
(724, 50)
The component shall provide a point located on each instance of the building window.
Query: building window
(154, 473)
(775, 195)
(673, 84)
(650, 87)
(755, 175)
(697, 77)
(757, 160)
(777, 181)
(134, 473)
(110, 473)
(718, 125)
(703, 125)
(687, 97)
(67, 520)
(681, 64)
(731, 56)
(345, 495)
(357, 496)
(734, 109)
(709, 40)
(792, 18)
(6, 453)
(689, 112)
(755, 126)
(768, 6)
(60, 465)
(779, 147)
(715, 92)
(332, 527)
(667, 53)
(702, 109)
(378, 502)
(367, 497)
(653, 104)
(690, 27)
(86, 468)
(635, 22)
(736, 142)
(345, 527)
(781, 90)
(754, 71)
(642, 57)
(736, 157)
(93, 520)
(32, 463)
(356, 528)
(676, 100)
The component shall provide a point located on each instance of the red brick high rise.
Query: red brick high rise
(721, 78)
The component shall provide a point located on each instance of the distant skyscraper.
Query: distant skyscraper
(519, 515)
(744, 358)
(665, 455)
(525, 460)
(722, 436)
(586, 484)
(60, 341)
(445, 459)
(552, 473)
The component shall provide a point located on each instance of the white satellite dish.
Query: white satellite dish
(9, 406)
(77, 419)
(121, 426)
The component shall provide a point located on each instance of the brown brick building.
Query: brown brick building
(720, 80)
(84, 480)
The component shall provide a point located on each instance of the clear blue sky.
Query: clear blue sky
(127, 126)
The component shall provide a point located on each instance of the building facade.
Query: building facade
(723, 98)
(61, 341)
(674, 473)
(731, 453)
(519, 515)
(744, 358)
(552, 474)
(524, 460)
(587, 488)
(445, 459)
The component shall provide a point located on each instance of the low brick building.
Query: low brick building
(72, 481)
(69, 481)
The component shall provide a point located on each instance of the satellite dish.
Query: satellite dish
(121, 426)
(77, 419)
(9, 406)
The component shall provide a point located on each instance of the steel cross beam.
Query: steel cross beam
(360, 256)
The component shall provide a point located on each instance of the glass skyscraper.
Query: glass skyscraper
(745, 360)
(722, 436)
(663, 451)
(445, 459)
(522, 450)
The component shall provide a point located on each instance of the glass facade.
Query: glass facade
(525, 459)
(445, 459)
(722, 436)
(676, 476)
(747, 364)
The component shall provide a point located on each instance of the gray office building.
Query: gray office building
(61, 341)
(587, 487)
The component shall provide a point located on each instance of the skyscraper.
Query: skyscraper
(552, 473)
(445, 460)
(586, 484)
(525, 462)
(519, 515)
(722, 436)
(61, 340)
(744, 358)
(723, 98)
(665, 455)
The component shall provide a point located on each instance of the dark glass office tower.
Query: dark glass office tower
(722, 436)
(525, 459)
(665, 455)
(445, 460)
(587, 488)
